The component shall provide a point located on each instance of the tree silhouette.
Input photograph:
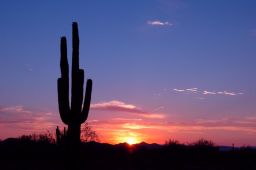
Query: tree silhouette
(88, 134)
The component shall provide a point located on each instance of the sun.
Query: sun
(131, 140)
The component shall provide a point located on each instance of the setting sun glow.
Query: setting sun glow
(131, 140)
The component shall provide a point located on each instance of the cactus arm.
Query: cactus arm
(87, 101)
(63, 101)
(63, 83)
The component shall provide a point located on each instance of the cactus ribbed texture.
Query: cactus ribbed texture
(75, 115)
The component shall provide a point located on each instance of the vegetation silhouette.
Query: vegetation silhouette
(88, 134)
(75, 115)
(42, 152)
(61, 136)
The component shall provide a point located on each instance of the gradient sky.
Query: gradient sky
(161, 69)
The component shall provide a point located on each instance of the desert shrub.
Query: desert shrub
(43, 138)
(203, 145)
(172, 142)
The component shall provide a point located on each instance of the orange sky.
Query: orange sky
(117, 122)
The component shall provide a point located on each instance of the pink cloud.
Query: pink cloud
(19, 120)
(17, 109)
(119, 106)
(115, 105)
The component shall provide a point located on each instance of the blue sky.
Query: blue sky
(147, 53)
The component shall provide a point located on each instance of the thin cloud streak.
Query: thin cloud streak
(153, 116)
(179, 90)
(17, 109)
(205, 92)
(159, 23)
(194, 90)
(208, 92)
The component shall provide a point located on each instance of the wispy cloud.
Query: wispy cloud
(208, 92)
(115, 105)
(134, 126)
(232, 93)
(119, 106)
(159, 23)
(17, 109)
(179, 90)
(192, 89)
(205, 92)
(153, 116)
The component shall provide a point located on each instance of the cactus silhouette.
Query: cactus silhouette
(58, 136)
(75, 115)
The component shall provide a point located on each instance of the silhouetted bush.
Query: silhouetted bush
(172, 142)
(203, 143)
(44, 138)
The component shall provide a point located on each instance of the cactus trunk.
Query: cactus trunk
(74, 134)
(75, 115)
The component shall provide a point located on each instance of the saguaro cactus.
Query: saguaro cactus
(75, 115)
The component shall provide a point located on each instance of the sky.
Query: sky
(161, 69)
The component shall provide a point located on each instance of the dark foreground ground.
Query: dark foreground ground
(31, 155)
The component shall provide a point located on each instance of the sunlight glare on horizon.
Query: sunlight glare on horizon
(131, 140)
